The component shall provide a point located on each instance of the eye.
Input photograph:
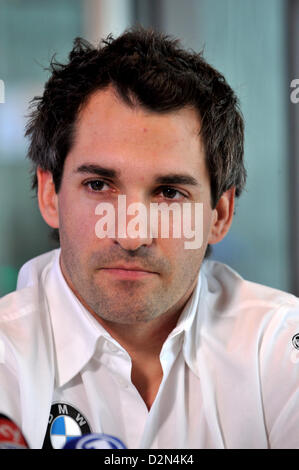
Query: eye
(170, 193)
(96, 185)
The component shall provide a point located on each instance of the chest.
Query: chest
(99, 401)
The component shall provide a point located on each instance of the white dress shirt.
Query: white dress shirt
(230, 367)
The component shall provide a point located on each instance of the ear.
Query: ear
(222, 216)
(47, 198)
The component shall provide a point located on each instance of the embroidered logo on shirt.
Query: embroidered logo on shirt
(295, 341)
(65, 423)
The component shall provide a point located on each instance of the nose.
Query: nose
(133, 230)
(133, 244)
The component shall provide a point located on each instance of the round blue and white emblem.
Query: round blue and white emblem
(65, 423)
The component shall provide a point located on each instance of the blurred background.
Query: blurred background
(254, 43)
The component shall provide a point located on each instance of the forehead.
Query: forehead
(106, 127)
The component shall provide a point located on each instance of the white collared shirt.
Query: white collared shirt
(230, 368)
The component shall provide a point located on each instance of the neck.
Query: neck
(144, 342)
(143, 339)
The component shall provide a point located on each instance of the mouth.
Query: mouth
(128, 272)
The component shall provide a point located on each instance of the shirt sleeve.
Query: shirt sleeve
(279, 369)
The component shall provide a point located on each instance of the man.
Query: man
(140, 337)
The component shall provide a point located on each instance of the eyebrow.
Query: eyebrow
(177, 178)
(171, 178)
(98, 170)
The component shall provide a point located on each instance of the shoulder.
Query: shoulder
(242, 314)
(24, 319)
(19, 315)
(232, 291)
(246, 319)
(24, 327)
(17, 305)
(31, 272)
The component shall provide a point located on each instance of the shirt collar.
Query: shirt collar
(76, 348)
(186, 332)
(189, 312)
(75, 331)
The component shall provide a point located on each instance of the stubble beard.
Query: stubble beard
(126, 301)
(121, 301)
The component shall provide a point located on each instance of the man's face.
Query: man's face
(122, 151)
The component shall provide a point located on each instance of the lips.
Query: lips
(129, 268)
(127, 271)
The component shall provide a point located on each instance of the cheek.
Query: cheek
(195, 229)
(77, 222)
(185, 265)
(182, 260)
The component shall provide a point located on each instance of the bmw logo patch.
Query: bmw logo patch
(65, 423)
(295, 341)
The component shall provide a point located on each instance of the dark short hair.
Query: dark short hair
(152, 70)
